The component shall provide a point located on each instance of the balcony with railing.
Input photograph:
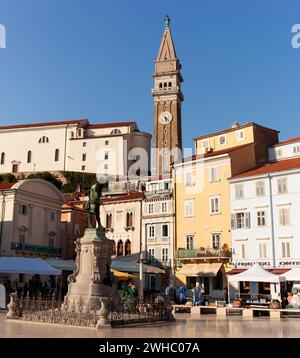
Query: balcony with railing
(37, 249)
(203, 253)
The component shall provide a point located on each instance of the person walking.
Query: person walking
(197, 294)
(182, 295)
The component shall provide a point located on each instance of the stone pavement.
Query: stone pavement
(206, 326)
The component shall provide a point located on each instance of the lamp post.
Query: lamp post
(141, 286)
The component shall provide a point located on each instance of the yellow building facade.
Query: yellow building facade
(202, 201)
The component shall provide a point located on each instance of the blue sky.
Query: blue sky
(68, 59)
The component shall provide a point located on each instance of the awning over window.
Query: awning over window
(195, 270)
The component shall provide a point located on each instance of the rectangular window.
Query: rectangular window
(213, 174)
(52, 216)
(105, 166)
(278, 153)
(243, 251)
(165, 254)
(261, 218)
(240, 220)
(190, 242)
(260, 188)
(106, 155)
(188, 208)
(164, 207)
(83, 167)
(51, 242)
(284, 216)
(205, 143)
(23, 210)
(166, 185)
(150, 208)
(222, 139)
(215, 241)
(84, 144)
(285, 249)
(240, 135)
(165, 230)
(151, 255)
(282, 185)
(188, 179)
(296, 149)
(107, 142)
(262, 250)
(239, 191)
(22, 238)
(151, 231)
(214, 205)
(84, 157)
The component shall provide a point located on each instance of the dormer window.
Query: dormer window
(222, 139)
(240, 135)
(116, 131)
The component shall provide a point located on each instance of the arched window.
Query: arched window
(160, 85)
(165, 84)
(2, 158)
(120, 248)
(116, 131)
(129, 219)
(56, 157)
(127, 247)
(108, 221)
(29, 156)
(44, 139)
(170, 84)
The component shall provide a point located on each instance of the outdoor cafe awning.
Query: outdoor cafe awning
(26, 265)
(205, 270)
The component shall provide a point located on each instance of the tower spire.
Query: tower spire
(167, 21)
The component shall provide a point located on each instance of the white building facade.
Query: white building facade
(73, 146)
(265, 215)
(30, 219)
(158, 222)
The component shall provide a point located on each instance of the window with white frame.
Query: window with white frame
(214, 205)
(151, 255)
(150, 208)
(106, 154)
(164, 207)
(282, 185)
(262, 249)
(285, 249)
(151, 231)
(164, 254)
(222, 139)
(260, 188)
(240, 135)
(188, 178)
(205, 143)
(261, 218)
(296, 149)
(240, 220)
(213, 174)
(190, 242)
(278, 153)
(165, 230)
(188, 208)
(239, 191)
(242, 250)
(215, 239)
(284, 216)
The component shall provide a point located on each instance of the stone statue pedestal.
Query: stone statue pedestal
(92, 280)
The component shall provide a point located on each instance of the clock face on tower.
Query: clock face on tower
(165, 117)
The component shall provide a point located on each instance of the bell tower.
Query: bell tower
(167, 105)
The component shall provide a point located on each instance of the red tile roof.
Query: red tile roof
(279, 166)
(45, 124)
(124, 197)
(4, 186)
(213, 153)
(290, 140)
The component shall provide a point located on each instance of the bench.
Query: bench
(273, 312)
(182, 308)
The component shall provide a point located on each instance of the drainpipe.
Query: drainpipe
(141, 276)
(2, 220)
(272, 223)
(65, 154)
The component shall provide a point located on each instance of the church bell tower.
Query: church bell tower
(167, 105)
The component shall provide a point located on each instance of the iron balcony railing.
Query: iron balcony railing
(36, 248)
(205, 252)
